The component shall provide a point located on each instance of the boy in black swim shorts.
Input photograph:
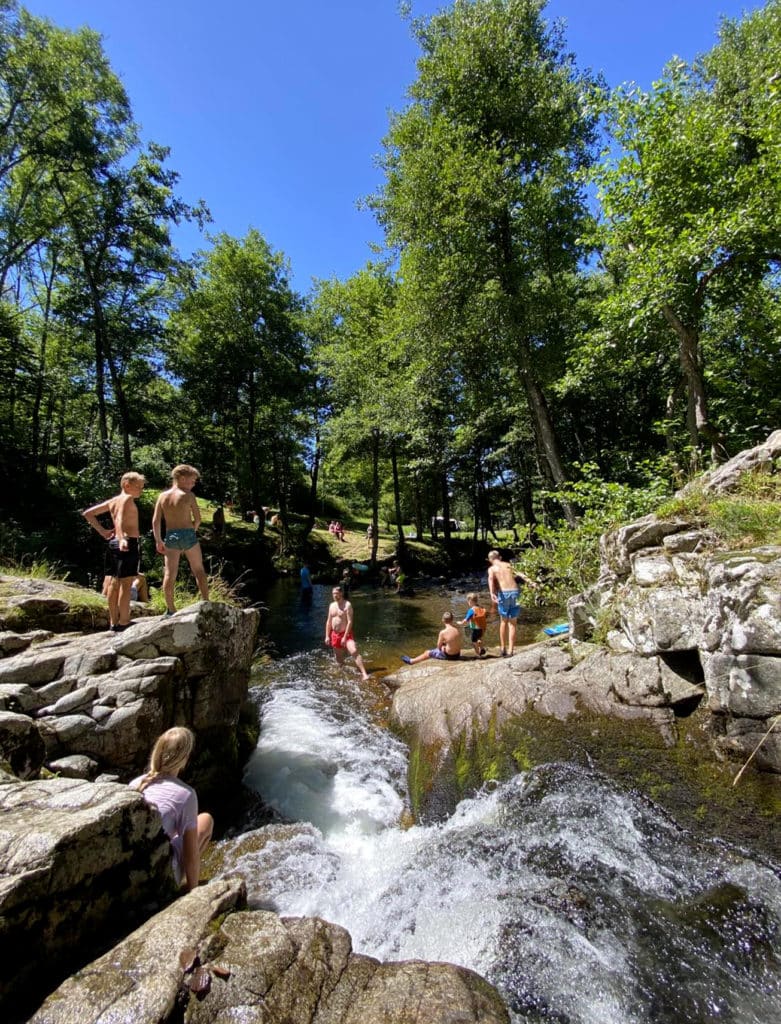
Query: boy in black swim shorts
(123, 553)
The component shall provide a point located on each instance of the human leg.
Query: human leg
(171, 562)
(503, 633)
(353, 649)
(123, 600)
(511, 636)
(205, 829)
(195, 558)
(112, 596)
(423, 657)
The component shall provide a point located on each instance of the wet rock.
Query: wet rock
(21, 746)
(258, 967)
(81, 862)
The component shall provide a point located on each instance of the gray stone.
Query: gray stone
(259, 967)
(80, 862)
(21, 745)
(18, 697)
(75, 700)
(726, 478)
(76, 766)
(744, 685)
(98, 695)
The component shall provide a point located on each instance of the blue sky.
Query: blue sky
(274, 111)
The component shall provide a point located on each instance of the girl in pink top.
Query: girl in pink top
(177, 803)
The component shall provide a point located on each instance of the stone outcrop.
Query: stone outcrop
(94, 704)
(681, 622)
(30, 607)
(80, 863)
(206, 960)
(668, 590)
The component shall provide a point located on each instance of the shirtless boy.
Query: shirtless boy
(339, 630)
(123, 546)
(178, 507)
(448, 644)
(504, 594)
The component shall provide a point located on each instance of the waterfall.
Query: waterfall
(581, 902)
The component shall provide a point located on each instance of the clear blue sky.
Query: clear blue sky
(275, 109)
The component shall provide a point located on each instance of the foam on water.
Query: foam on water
(581, 902)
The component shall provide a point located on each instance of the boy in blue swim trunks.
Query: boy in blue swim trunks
(504, 593)
(179, 509)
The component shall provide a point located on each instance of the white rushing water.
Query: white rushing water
(582, 903)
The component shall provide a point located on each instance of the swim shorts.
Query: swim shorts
(476, 635)
(340, 639)
(439, 655)
(123, 563)
(180, 540)
(508, 604)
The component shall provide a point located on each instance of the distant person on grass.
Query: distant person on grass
(123, 546)
(503, 585)
(448, 644)
(177, 803)
(179, 510)
(339, 630)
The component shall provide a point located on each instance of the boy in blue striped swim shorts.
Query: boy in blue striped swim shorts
(503, 586)
(179, 510)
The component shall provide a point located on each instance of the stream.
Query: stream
(584, 903)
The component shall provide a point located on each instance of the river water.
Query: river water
(582, 902)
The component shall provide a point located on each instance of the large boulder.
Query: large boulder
(208, 961)
(453, 714)
(107, 696)
(30, 606)
(669, 589)
(81, 863)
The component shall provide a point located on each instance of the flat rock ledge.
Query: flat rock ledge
(682, 624)
(91, 706)
(206, 960)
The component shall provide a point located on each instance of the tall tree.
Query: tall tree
(691, 199)
(237, 347)
(481, 194)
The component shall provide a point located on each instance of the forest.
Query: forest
(576, 307)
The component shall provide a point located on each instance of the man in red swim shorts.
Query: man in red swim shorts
(339, 630)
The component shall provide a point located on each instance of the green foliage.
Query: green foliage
(748, 516)
(564, 559)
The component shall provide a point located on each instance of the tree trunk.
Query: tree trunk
(689, 355)
(375, 493)
(309, 525)
(418, 503)
(445, 509)
(397, 499)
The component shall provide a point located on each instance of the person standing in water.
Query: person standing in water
(339, 630)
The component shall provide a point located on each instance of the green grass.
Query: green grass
(748, 517)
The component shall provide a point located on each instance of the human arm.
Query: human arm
(157, 523)
(191, 858)
(492, 586)
(328, 623)
(91, 515)
(195, 512)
